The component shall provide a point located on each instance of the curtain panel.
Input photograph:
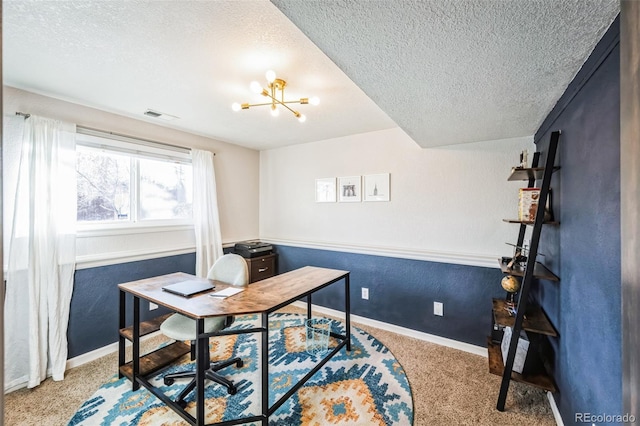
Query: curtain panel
(41, 261)
(206, 221)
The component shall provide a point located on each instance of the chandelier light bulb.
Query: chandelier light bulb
(274, 111)
(271, 76)
(314, 101)
(236, 106)
(255, 87)
(302, 118)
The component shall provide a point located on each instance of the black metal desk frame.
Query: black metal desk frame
(202, 357)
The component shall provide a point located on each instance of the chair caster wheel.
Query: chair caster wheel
(233, 390)
(168, 381)
(240, 363)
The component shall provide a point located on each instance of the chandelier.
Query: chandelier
(275, 92)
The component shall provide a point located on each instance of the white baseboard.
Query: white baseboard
(554, 409)
(442, 341)
(477, 350)
(100, 352)
(79, 360)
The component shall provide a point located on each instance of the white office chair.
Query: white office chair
(229, 269)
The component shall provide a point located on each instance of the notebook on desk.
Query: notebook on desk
(188, 288)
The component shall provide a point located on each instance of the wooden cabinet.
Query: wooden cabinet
(261, 267)
(528, 316)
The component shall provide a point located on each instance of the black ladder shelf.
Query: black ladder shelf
(533, 270)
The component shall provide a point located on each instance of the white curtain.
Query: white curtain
(205, 212)
(41, 261)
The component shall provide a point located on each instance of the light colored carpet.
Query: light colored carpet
(449, 387)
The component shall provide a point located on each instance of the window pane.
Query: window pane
(103, 185)
(165, 190)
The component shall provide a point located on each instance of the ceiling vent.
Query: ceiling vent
(161, 115)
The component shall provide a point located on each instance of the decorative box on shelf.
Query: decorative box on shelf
(524, 362)
(528, 204)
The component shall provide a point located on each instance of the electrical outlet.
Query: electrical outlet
(438, 308)
(365, 293)
(152, 306)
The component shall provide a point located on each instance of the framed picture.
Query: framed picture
(326, 190)
(349, 189)
(376, 187)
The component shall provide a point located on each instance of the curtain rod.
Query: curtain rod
(25, 115)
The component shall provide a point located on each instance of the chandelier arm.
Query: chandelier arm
(296, 113)
(283, 103)
(254, 105)
(277, 101)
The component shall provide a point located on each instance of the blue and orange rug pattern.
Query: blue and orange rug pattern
(366, 386)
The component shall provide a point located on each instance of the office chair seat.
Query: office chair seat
(179, 327)
(230, 269)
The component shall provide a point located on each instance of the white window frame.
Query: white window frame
(132, 147)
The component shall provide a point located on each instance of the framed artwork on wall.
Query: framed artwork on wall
(376, 187)
(349, 189)
(326, 190)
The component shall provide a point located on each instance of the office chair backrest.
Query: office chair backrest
(230, 269)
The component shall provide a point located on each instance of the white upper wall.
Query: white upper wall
(236, 177)
(447, 203)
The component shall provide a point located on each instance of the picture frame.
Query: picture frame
(376, 187)
(349, 189)
(326, 190)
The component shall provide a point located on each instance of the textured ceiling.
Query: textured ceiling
(190, 59)
(446, 71)
(456, 71)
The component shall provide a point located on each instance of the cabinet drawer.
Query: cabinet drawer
(262, 267)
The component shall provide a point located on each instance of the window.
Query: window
(123, 183)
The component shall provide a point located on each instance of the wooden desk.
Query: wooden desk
(263, 297)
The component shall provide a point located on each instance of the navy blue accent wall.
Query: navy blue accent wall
(93, 319)
(584, 250)
(402, 291)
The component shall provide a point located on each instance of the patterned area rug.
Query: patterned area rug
(366, 386)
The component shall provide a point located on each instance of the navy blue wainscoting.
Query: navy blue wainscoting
(585, 306)
(402, 291)
(93, 319)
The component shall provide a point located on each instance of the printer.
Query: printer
(251, 249)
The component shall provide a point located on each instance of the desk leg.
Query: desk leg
(121, 325)
(347, 307)
(136, 342)
(202, 363)
(309, 307)
(264, 358)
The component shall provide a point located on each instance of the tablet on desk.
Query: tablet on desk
(188, 288)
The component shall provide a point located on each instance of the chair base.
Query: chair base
(210, 373)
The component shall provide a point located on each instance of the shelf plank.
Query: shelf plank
(529, 222)
(520, 173)
(146, 327)
(535, 319)
(539, 271)
(538, 379)
(154, 361)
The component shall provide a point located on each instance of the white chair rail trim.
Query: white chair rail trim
(114, 258)
(487, 261)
